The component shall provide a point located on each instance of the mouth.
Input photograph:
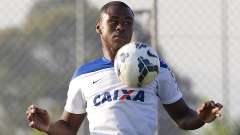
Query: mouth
(120, 36)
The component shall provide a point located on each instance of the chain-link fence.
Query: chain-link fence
(42, 42)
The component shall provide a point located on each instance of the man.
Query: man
(111, 108)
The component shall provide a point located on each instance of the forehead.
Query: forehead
(118, 12)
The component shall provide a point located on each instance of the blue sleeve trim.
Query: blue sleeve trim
(163, 64)
(93, 66)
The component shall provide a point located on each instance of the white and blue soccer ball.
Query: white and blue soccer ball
(136, 64)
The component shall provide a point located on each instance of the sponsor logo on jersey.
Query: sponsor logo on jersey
(173, 76)
(133, 95)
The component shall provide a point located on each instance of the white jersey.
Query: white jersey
(114, 108)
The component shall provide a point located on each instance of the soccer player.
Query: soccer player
(112, 107)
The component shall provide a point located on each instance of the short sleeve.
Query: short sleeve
(168, 90)
(75, 101)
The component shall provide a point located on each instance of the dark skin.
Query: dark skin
(188, 119)
(115, 29)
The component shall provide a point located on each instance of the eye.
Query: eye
(128, 22)
(114, 22)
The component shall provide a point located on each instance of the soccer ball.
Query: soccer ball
(136, 64)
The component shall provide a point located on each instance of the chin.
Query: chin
(119, 45)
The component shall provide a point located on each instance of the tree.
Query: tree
(38, 60)
(33, 69)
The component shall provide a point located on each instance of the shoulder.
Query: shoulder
(165, 71)
(163, 64)
(93, 66)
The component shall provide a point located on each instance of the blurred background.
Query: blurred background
(43, 41)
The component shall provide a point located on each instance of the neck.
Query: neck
(109, 54)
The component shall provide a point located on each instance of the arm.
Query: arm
(40, 120)
(67, 125)
(188, 119)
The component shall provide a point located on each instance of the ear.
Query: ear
(98, 29)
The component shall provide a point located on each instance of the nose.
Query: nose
(120, 26)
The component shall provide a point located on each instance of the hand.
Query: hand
(209, 111)
(39, 118)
